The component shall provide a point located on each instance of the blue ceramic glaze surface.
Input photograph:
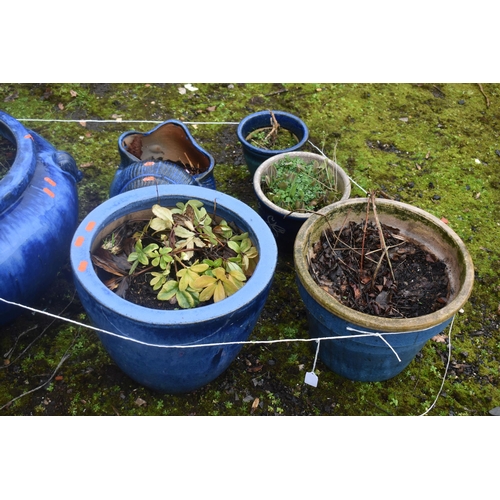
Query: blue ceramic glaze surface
(367, 359)
(172, 370)
(254, 156)
(38, 216)
(171, 142)
(149, 173)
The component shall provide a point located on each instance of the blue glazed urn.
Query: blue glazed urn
(366, 347)
(152, 346)
(38, 216)
(254, 155)
(167, 154)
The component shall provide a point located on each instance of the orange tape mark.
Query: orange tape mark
(90, 226)
(149, 163)
(28, 136)
(79, 241)
(148, 179)
(49, 192)
(83, 265)
(50, 181)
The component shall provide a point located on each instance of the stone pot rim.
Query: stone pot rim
(264, 167)
(133, 201)
(317, 221)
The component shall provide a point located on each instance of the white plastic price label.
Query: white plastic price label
(311, 379)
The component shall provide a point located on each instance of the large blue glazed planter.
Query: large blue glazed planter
(142, 349)
(38, 216)
(253, 155)
(285, 224)
(370, 358)
(154, 157)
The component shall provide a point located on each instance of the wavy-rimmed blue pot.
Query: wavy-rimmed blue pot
(168, 143)
(38, 216)
(253, 155)
(142, 349)
(285, 224)
(373, 358)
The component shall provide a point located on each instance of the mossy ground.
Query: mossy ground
(436, 146)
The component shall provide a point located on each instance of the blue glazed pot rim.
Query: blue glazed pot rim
(258, 120)
(23, 168)
(144, 198)
(132, 159)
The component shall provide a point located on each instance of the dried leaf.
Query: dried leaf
(140, 402)
(440, 338)
(255, 404)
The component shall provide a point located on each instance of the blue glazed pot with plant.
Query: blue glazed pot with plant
(291, 186)
(261, 135)
(154, 346)
(38, 213)
(395, 341)
(167, 154)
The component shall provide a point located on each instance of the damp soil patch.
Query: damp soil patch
(350, 265)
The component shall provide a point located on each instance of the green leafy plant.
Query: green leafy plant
(191, 257)
(295, 184)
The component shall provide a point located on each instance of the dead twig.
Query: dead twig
(382, 242)
(485, 96)
(273, 134)
(63, 359)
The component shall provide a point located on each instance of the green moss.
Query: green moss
(431, 145)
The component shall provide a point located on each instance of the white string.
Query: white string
(316, 356)
(380, 336)
(119, 120)
(191, 346)
(445, 371)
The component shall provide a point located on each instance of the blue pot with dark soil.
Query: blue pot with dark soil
(38, 214)
(156, 347)
(367, 347)
(167, 154)
(255, 133)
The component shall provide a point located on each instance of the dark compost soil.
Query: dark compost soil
(345, 264)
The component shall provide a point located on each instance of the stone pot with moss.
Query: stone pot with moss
(291, 186)
(376, 347)
(187, 345)
(268, 133)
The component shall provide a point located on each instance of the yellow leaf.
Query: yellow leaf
(219, 292)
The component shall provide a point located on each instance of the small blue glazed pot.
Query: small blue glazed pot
(253, 155)
(38, 216)
(283, 223)
(141, 347)
(370, 358)
(149, 173)
(169, 145)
